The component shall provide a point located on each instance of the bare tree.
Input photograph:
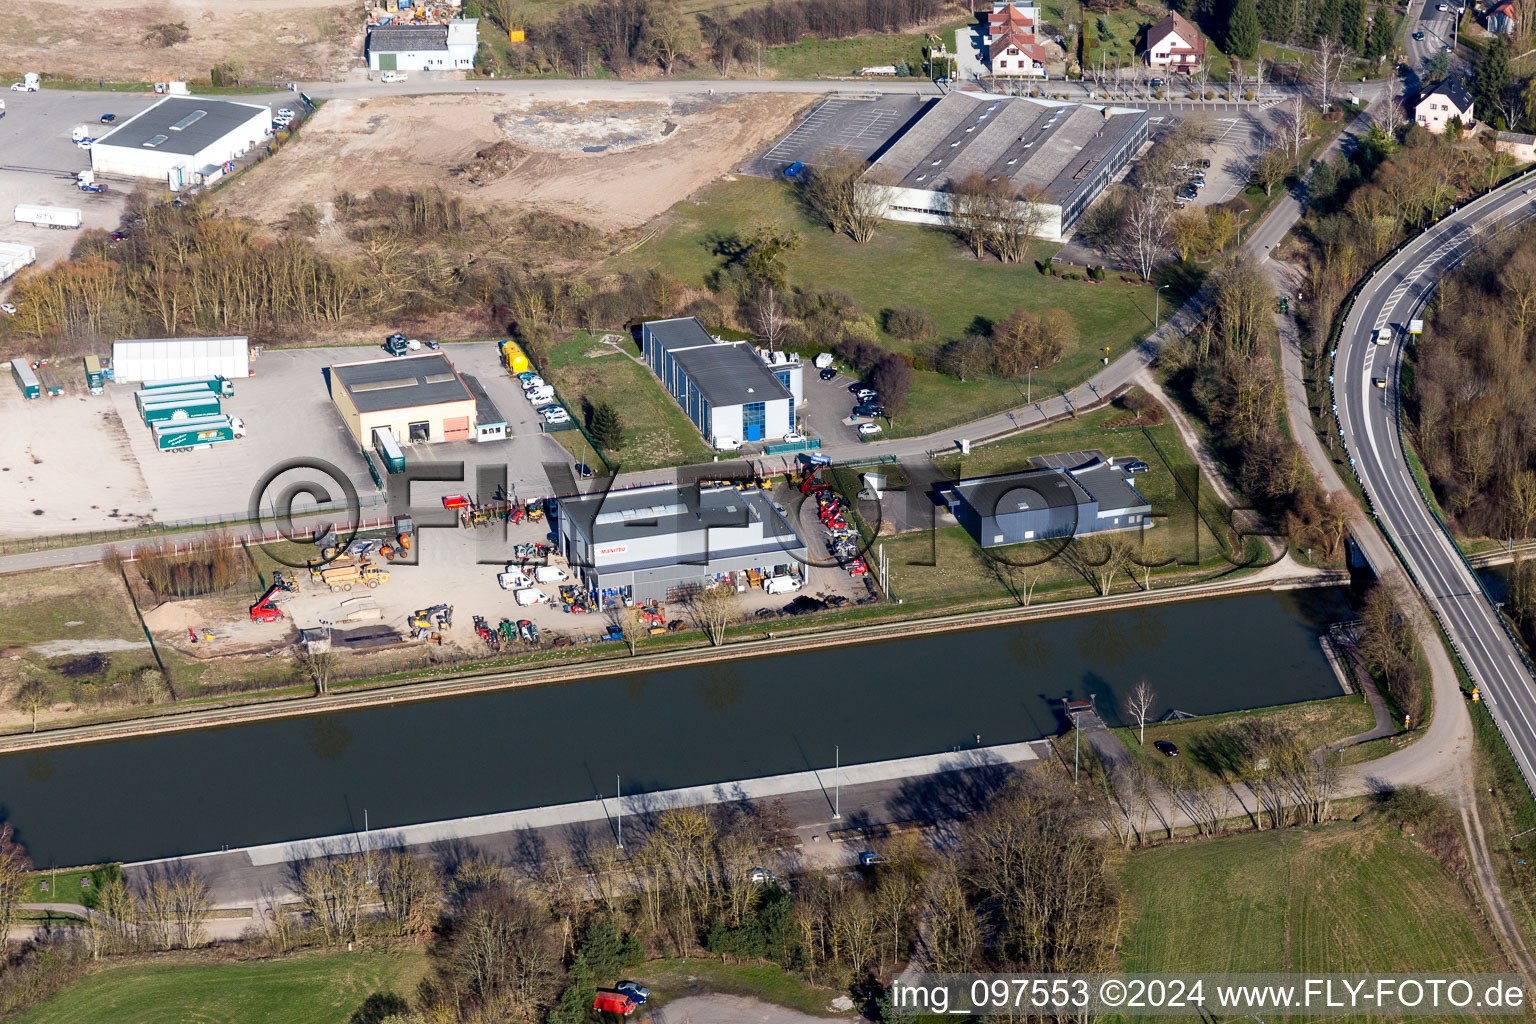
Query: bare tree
(14, 885)
(1391, 115)
(1138, 707)
(1014, 218)
(1328, 63)
(967, 208)
(1019, 580)
(769, 316)
(714, 608)
(176, 907)
(1296, 125)
(632, 624)
(318, 667)
(332, 891)
(411, 888)
(1144, 229)
(1100, 558)
(32, 696)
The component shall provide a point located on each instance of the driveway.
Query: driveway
(968, 53)
(722, 1009)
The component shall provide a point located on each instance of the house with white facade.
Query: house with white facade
(1012, 48)
(1175, 45)
(1447, 100)
(447, 47)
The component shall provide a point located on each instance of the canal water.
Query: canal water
(274, 781)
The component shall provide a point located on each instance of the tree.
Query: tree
(967, 210)
(507, 14)
(1144, 232)
(318, 667)
(713, 607)
(14, 883)
(1296, 126)
(1243, 30)
(1271, 168)
(1437, 67)
(892, 378)
(1014, 216)
(764, 253)
(910, 325)
(1352, 29)
(1138, 707)
(176, 907)
(634, 627)
(32, 696)
(966, 358)
(667, 34)
(1322, 77)
(769, 316)
(1491, 77)
(606, 427)
(843, 194)
(410, 888)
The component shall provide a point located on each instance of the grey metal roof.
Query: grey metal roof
(683, 332)
(1010, 492)
(486, 412)
(666, 509)
(407, 38)
(730, 374)
(1110, 486)
(1040, 144)
(401, 382)
(219, 118)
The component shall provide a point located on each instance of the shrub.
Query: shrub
(910, 325)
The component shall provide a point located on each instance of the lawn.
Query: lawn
(947, 563)
(1203, 742)
(656, 432)
(909, 265)
(675, 979)
(1353, 896)
(317, 988)
(812, 58)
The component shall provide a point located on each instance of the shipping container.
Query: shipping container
(13, 257)
(389, 450)
(214, 383)
(203, 432)
(95, 380)
(21, 369)
(184, 407)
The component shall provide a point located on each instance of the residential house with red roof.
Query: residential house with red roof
(1012, 47)
(1175, 44)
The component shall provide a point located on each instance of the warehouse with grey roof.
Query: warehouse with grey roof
(1064, 154)
(1043, 504)
(182, 140)
(415, 399)
(668, 540)
(426, 47)
(730, 390)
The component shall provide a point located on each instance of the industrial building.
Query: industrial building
(1041, 504)
(726, 388)
(416, 399)
(490, 423)
(666, 540)
(1064, 153)
(182, 140)
(449, 47)
(178, 358)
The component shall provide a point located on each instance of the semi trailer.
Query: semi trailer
(220, 386)
(205, 432)
(47, 216)
(182, 406)
(21, 369)
(95, 379)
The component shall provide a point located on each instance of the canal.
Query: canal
(298, 778)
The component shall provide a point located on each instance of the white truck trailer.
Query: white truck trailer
(47, 216)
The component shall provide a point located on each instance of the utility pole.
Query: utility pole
(1157, 306)
(1029, 384)
(367, 847)
(618, 791)
(837, 783)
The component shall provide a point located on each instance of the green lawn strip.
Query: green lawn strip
(812, 57)
(670, 980)
(1200, 740)
(1352, 896)
(656, 432)
(313, 988)
(910, 265)
(64, 886)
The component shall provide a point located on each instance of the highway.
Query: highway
(1369, 424)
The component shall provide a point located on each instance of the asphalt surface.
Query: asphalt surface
(1369, 426)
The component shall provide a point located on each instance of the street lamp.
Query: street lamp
(1029, 385)
(1157, 307)
(837, 783)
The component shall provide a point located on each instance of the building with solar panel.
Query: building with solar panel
(182, 140)
(413, 399)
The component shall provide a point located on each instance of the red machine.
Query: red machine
(455, 501)
(266, 609)
(614, 1002)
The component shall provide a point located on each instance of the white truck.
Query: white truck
(550, 574)
(30, 82)
(47, 216)
(530, 596)
(80, 133)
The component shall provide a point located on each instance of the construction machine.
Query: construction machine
(266, 609)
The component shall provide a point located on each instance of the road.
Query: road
(1369, 422)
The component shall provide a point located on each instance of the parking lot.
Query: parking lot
(45, 444)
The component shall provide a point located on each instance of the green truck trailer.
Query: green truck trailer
(95, 380)
(220, 386)
(203, 432)
(388, 450)
(21, 369)
(182, 406)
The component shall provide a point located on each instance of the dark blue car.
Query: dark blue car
(794, 169)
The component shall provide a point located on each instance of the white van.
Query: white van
(781, 585)
(530, 596)
(550, 574)
(1383, 335)
(392, 76)
(538, 396)
(513, 580)
(727, 444)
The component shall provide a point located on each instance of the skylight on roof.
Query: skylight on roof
(155, 141)
(189, 120)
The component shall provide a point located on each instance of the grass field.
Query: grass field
(314, 988)
(910, 265)
(947, 563)
(1204, 743)
(675, 979)
(1343, 897)
(656, 433)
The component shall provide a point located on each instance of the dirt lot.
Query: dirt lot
(612, 164)
(265, 38)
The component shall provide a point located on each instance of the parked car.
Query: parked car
(557, 415)
(870, 858)
(108, 118)
(1447, 48)
(866, 394)
(583, 471)
(857, 386)
(867, 430)
(285, 112)
(535, 381)
(793, 438)
(636, 991)
(868, 409)
(1167, 749)
(1157, 83)
(10, 309)
(1136, 467)
(828, 373)
(118, 236)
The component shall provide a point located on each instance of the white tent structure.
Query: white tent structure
(13, 257)
(175, 358)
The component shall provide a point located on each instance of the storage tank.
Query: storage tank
(514, 358)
